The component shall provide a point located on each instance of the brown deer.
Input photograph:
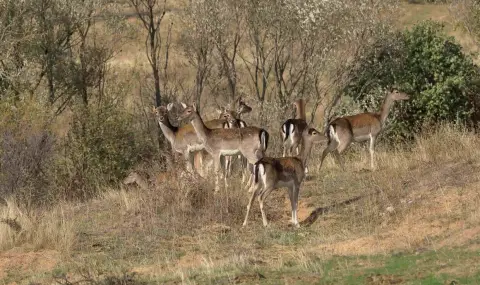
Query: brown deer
(274, 173)
(292, 129)
(251, 142)
(342, 131)
(184, 139)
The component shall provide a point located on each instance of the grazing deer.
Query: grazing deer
(292, 129)
(251, 142)
(342, 131)
(274, 173)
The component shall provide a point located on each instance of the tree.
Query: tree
(467, 13)
(197, 44)
(428, 65)
(151, 16)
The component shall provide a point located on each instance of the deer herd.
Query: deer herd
(228, 137)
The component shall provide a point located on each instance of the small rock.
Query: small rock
(390, 209)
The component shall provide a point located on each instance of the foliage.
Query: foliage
(467, 13)
(102, 146)
(26, 152)
(57, 55)
(426, 64)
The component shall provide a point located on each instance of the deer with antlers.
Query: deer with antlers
(251, 142)
(274, 173)
(342, 131)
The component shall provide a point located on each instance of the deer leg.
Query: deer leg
(297, 148)
(188, 161)
(230, 162)
(332, 145)
(252, 197)
(292, 199)
(372, 152)
(285, 147)
(296, 192)
(251, 179)
(340, 149)
(227, 165)
(216, 169)
(261, 199)
(244, 170)
(339, 159)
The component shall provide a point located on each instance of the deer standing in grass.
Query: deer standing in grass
(274, 173)
(232, 123)
(251, 142)
(227, 119)
(292, 129)
(184, 139)
(342, 131)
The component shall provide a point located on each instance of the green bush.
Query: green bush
(428, 65)
(102, 146)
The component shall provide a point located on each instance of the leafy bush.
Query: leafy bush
(102, 145)
(428, 65)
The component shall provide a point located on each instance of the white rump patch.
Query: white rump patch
(262, 173)
(292, 129)
(333, 134)
(263, 140)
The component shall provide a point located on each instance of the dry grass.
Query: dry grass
(179, 231)
(421, 197)
(36, 229)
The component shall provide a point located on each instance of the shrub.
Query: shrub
(101, 146)
(26, 152)
(426, 64)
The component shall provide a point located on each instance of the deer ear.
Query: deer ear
(169, 107)
(154, 109)
(194, 105)
(183, 105)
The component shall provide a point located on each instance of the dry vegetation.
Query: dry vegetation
(416, 218)
(421, 200)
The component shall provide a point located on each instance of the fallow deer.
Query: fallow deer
(228, 118)
(183, 139)
(231, 123)
(342, 131)
(292, 129)
(274, 173)
(251, 142)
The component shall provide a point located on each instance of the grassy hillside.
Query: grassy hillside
(415, 220)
